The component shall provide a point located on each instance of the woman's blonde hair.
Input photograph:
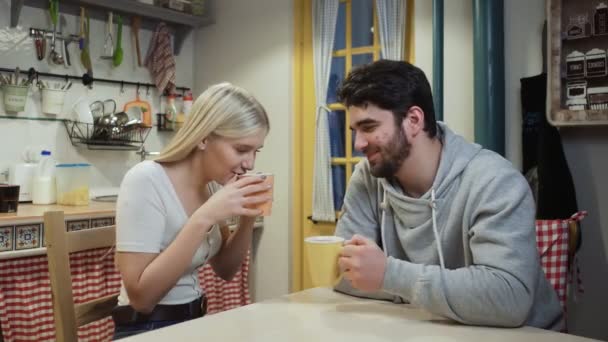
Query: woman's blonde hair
(222, 110)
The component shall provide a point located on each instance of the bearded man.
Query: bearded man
(432, 219)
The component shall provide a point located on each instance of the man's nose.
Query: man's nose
(360, 141)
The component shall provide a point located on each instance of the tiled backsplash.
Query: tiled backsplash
(20, 236)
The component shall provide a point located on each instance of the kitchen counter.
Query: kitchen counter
(28, 211)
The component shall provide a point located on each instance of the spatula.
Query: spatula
(118, 53)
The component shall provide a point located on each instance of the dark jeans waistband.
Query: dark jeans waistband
(126, 315)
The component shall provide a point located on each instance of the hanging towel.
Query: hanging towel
(160, 60)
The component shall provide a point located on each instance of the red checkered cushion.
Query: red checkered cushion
(552, 238)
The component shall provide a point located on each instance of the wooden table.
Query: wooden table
(323, 315)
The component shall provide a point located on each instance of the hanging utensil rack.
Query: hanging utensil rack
(87, 80)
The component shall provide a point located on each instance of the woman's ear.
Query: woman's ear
(202, 145)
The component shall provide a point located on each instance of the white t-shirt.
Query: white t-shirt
(149, 215)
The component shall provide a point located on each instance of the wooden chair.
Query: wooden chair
(557, 242)
(60, 243)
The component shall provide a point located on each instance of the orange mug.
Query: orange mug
(266, 207)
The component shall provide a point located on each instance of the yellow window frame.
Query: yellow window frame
(304, 124)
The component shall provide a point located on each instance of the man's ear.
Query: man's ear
(413, 123)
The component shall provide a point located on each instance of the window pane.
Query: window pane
(340, 38)
(336, 133)
(362, 59)
(338, 173)
(335, 78)
(363, 22)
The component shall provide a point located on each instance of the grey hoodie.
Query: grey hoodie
(466, 249)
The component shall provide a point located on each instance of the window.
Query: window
(356, 43)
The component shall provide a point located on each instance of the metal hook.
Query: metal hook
(122, 87)
(147, 90)
(137, 90)
(67, 78)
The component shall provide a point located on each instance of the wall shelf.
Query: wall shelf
(182, 23)
(578, 72)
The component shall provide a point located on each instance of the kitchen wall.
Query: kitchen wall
(458, 55)
(108, 166)
(251, 45)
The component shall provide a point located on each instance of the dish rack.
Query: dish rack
(96, 137)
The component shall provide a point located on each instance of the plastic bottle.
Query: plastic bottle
(187, 103)
(171, 113)
(44, 188)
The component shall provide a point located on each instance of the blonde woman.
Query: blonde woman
(171, 212)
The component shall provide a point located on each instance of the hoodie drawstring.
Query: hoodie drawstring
(433, 205)
(384, 207)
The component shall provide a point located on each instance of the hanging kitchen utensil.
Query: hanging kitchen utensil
(108, 43)
(135, 25)
(81, 36)
(85, 56)
(16, 78)
(39, 43)
(118, 53)
(54, 56)
(54, 11)
(66, 44)
(146, 109)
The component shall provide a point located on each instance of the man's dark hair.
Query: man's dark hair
(390, 85)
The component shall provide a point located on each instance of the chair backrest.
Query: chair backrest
(557, 241)
(60, 243)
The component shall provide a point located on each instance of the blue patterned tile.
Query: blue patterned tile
(6, 238)
(27, 236)
(78, 225)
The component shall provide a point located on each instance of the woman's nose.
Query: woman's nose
(249, 163)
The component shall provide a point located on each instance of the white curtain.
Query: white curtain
(391, 22)
(324, 16)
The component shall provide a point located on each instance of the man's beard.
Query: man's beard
(392, 155)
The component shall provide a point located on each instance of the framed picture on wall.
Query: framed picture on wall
(578, 74)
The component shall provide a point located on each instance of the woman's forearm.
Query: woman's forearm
(227, 262)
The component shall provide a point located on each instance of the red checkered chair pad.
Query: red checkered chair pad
(552, 241)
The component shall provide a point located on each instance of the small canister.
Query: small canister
(575, 65)
(595, 63)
